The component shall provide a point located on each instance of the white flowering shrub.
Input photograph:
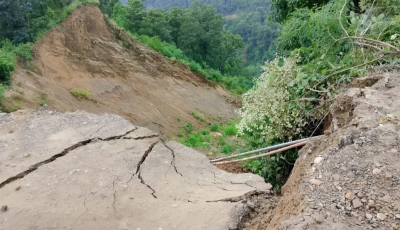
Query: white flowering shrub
(270, 110)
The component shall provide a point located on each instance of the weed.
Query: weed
(214, 127)
(230, 131)
(42, 100)
(81, 93)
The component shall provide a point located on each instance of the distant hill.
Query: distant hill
(225, 7)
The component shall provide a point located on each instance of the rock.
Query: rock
(350, 196)
(336, 177)
(318, 160)
(371, 203)
(386, 198)
(318, 218)
(398, 216)
(210, 154)
(217, 135)
(376, 171)
(339, 188)
(368, 216)
(381, 216)
(393, 151)
(17, 188)
(26, 154)
(356, 203)
(388, 175)
(315, 182)
(354, 214)
(4, 208)
(394, 225)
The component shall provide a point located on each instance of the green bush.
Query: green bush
(204, 132)
(226, 149)
(2, 89)
(7, 65)
(214, 127)
(194, 140)
(188, 128)
(230, 131)
(81, 93)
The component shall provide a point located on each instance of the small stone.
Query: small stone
(368, 216)
(17, 188)
(376, 171)
(336, 177)
(393, 151)
(318, 160)
(4, 208)
(354, 214)
(356, 203)
(217, 135)
(315, 182)
(388, 175)
(339, 188)
(386, 198)
(394, 225)
(381, 216)
(350, 196)
(210, 154)
(371, 203)
(26, 154)
(398, 216)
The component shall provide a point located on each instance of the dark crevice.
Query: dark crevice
(138, 169)
(173, 157)
(141, 138)
(148, 186)
(34, 167)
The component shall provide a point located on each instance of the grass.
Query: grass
(227, 144)
(42, 100)
(81, 93)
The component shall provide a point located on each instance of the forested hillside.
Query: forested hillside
(194, 36)
(23, 22)
(249, 19)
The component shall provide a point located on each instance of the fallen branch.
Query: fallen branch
(264, 149)
(262, 155)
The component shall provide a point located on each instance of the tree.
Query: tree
(107, 6)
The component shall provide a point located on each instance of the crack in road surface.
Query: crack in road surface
(173, 157)
(34, 167)
(138, 169)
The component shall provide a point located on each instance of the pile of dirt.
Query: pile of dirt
(86, 171)
(349, 179)
(124, 76)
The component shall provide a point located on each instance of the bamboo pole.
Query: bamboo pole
(264, 149)
(263, 155)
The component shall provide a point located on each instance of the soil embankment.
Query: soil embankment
(350, 178)
(124, 76)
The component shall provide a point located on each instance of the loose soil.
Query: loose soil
(124, 76)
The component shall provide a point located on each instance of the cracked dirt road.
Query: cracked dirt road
(88, 171)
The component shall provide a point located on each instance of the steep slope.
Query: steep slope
(349, 179)
(124, 76)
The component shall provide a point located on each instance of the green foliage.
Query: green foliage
(214, 127)
(226, 149)
(230, 131)
(281, 9)
(81, 93)
(2, 90)
(321, 48)
(198, 117)
(194, 36)
(204, 132)
(42, 100)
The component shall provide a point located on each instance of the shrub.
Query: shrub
(230, 131)
(188, 128)
(214, 127)
(2, 89)
(194, 66)
(42, 100)
(194, 140)
(7, 65)
(226, 149)
(198, 116)
(81, 93)
(204, 132)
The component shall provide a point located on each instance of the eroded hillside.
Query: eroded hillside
(124, 76)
